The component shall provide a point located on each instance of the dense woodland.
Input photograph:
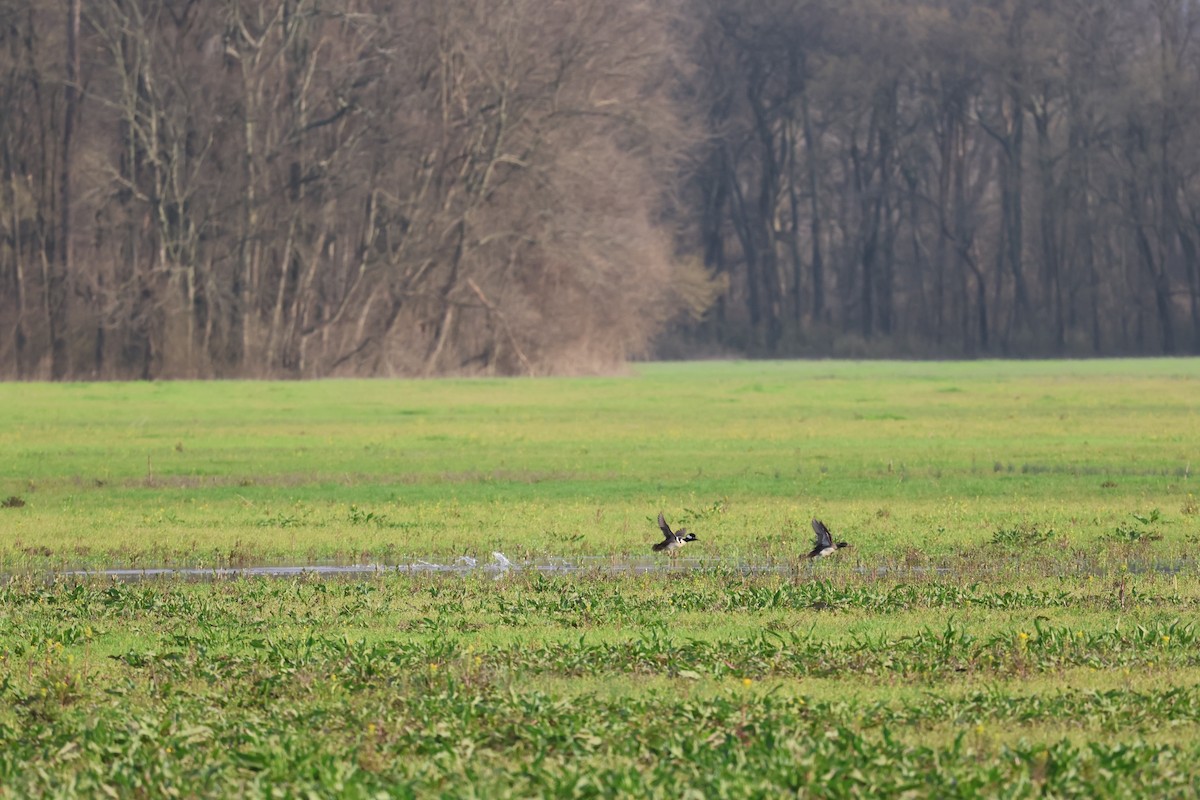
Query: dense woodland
(301, 188)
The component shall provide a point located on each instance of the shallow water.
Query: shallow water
(499, 566)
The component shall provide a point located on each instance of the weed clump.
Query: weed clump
(358, 516)
(1022, 535)
(1190, 507)
(12, 501)
(1138, 531)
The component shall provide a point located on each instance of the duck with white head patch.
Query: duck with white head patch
(672, 540)
(824, 545)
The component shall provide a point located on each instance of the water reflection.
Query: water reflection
(499, 566)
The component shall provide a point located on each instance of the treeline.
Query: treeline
(321, 187)
(952, 177)
(297, 188)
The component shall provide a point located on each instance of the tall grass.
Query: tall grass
(697, 683)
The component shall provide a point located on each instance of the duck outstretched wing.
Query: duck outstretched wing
(824, 538)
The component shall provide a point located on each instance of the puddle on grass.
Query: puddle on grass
(499, 566)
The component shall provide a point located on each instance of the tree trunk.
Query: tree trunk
(59, 275)
(812, 150)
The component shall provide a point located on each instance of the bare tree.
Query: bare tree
(326, 187)
(981, 176)
(33, 60)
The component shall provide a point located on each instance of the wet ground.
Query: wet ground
(500, 565)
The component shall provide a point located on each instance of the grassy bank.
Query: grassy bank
(899, 456)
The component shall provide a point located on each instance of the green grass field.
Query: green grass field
(898, 456)
(1015, 617)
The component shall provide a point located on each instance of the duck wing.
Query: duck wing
(662, 523)
(824, 538)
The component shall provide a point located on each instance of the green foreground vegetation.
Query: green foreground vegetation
(1015, 616)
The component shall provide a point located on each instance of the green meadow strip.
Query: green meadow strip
(1016, 615)
(908, 461)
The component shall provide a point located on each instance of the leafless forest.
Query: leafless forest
(301, 188)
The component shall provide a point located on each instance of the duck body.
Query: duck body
(824, 544)
(672, 540)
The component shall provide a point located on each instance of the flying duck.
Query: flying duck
(672, 540)
(823, 545)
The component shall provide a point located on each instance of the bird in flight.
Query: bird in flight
(823, 545)
(672, 540)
